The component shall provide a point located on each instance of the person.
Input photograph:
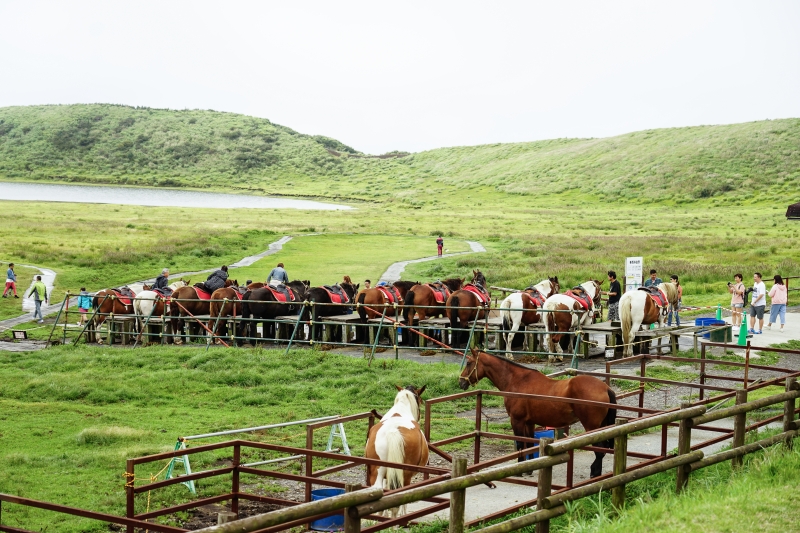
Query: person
(737, 300)
(757, 304)
(11, 281)
(39, 292)
(654, 280)
(778, 296)
(673, 310)
(84, 304)
(277, 276)
(217, 279)
(162, 281)
(440, 245)
(367, 284)
(614, 294)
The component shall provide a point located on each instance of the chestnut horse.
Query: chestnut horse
(526, 413)
(219, 309)
(323, 307)
(106, 302)
(397, 438)
(637, 308)
(565, 314)
(421, 301)
(511, 309)
(459, 303)
(377, 300)
(187, 301)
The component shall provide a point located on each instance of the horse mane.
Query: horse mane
(671, 291)
(407, 398)
(405, 284)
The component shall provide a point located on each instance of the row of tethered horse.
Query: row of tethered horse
(460, 303)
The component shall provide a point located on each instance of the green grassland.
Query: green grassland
(10, 307)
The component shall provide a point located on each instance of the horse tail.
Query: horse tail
(453, 311)
(505, 305)
(396, 453)
(626, 317)
(362, 312)
(610, 417)
(408, 308)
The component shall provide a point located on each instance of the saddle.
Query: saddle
(440, 292)
(282, 293)
(337, 294)
(579, 295)
(166, 294)
(391, 294)
(201, 291)
(535, 296)
(124, 295)
(657, 295)
(477, 290)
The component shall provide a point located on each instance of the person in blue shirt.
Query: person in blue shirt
(11, 281)
(653, 280)
(84, 304)
(277, 275)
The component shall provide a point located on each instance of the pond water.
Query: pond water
(47, 192)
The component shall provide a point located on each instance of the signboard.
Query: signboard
(19, 334)
(634, 267)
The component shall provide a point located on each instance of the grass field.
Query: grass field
(11, 307)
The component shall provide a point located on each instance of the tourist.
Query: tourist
(778, 296)
(674, 309)
(757, 304)
(653, 280)
(162, 281)
(367, 284)
(39, 293)
(614, 294)
(84, 304)
(277, 276)
(439, 245)
(217, 279)
(737, 300)
(11, 281)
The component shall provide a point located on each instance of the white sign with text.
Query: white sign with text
(634, 267)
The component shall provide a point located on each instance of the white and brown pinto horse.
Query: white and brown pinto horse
(519, 308)
(397, 438)
(565, 312)
(640, 307)
(151, 303)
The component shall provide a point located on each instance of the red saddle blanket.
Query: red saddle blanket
(336, 294)
(281, 293)
(536, 296)
(203, 295)
(480, 292)
(124, 295)
(659, 298)
(391, 294)
(582, 298)
(440, 293)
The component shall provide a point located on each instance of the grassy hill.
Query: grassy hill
(208, 149)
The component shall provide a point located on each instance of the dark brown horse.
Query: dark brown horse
(461, 306)
(261, 303)
(320, 304)
(421, 301)
(186, 300)
(526, 413)
(224, 302)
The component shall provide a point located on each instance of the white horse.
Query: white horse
(520, 308)
(638, 307)
(150, 303)
(558, 321)
(397, 438)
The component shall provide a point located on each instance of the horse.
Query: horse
(421, 300)
(106, 302)
(530, 299)
(397, 438)
(322, 306)
(526, 413)
(638, 307)
(374, 301)
(261, 303)
(150, 303)
(219, 309)
(457, 308)
(187, 302)
(557, 320)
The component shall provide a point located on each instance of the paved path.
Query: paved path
(395, 270)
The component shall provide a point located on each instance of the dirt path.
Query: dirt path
(395, 270)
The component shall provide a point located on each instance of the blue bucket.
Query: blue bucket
(704, 321)
(712, 322)
(543, 434)
(329, 523)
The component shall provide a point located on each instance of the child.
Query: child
(84, 304)
(11, 281)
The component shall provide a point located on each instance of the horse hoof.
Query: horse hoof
(510, 357)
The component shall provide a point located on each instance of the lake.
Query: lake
(101, 194)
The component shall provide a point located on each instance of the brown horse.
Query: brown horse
(397, 438)
(224, 302)
(186, 301)
(460, 305)
(421, 301)
(322, 306)
(526, 413)
(520, 309)
(107, 302)
(565, 313)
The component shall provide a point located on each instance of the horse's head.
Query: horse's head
(671, 292)
(416, 393)
(145, 287)
(592, 288)
(350, 289)
(478, 278)
(472, 372)
(554, 285)
(410, 397)
(454, 283)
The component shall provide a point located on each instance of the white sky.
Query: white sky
(383, 76)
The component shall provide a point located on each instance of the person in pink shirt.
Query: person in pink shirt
(737, 299)
(778, 296)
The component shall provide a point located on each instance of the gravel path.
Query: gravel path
(395, 270)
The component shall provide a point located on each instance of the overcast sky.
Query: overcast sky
(383, 76)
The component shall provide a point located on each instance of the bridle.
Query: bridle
(474, 372)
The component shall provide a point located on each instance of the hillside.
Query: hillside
(207, 149)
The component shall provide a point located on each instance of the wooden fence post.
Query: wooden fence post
(788, 410)
(351, 525)
(684, 447)
(620, 465)
(543, 486)
(739, 424)
(458, 497)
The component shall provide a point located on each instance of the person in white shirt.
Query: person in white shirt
(757, 304)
